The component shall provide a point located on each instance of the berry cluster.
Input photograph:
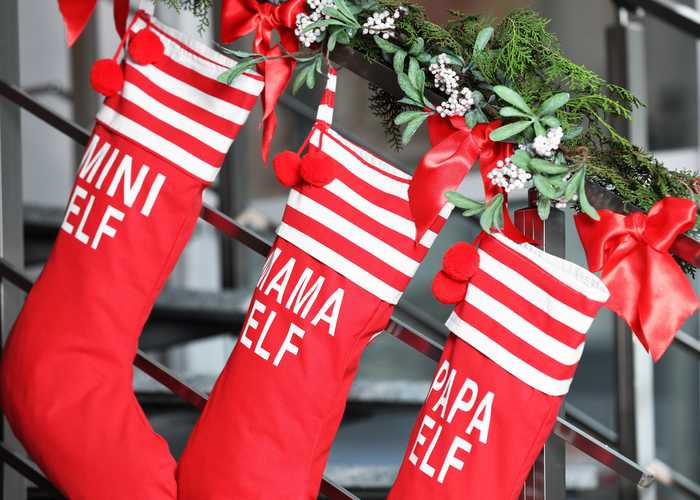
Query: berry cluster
(459, 102)
(509, 176)
(446, 78)
(308, 38)
(546, 145)
(383, 23)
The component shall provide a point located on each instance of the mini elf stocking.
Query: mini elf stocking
(517, 336)
(345, 252)
(67, 366)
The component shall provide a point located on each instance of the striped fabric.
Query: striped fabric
(177, 108)
(529, 312)
(359, 224)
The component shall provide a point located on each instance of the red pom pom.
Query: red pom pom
(287, 166)
(461, 261)
(106, 77)
(447, 290)
(317, 168)
(145, 47)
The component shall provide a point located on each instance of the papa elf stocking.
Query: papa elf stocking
(345, 251)
(67, 366)
(516, 338)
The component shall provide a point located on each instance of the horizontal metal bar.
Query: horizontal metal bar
(589, 424)
(679, 16)
(162, 375)
(687, 342)
(417, 340)
(669, 477)
(28, 470)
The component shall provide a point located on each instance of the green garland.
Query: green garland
(515, 71)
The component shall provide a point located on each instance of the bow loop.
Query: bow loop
(647, 288)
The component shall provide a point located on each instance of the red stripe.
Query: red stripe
(207, 85)
(345, 247)
(539, 276)
(402, 243)
(513, 344)
(182, 106)
(533, 314)
(165, 130)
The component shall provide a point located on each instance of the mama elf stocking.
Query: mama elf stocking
(67, 366)
(345, 252)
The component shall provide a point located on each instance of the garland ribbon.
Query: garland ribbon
(240, 17)
(76, 14)
(455, 149)
(647, 288)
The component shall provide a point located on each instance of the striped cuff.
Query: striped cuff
(529, 311)
(177, 108)
(359, 224)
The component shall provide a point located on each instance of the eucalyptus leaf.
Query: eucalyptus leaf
(544, 187)
(509, 111)
(521, 158)
(410, 102)
(408, 88)
(482, 39)
(547, 167)
(509, 130)
(586, 206)
(423, 57)
(552, 104)
(572, 133)
(332, 39)
(481, 116)
(412, 127)
(230, 75)
(478, 97)
(300, 77)
(323, 23)
(473, 211)
(343, 37)
(461, 201)
(572, 186)
(550, 121)
(386, 46)
(512, 97)
(407, 116)
(311, 79)
(491, 214)
(399, 60)
(539, 128)
(486, 219)
(417, 47)
(413, 70)
(544, 206)
(343, 7)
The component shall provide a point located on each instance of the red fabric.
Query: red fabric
(647, 287)
(502, 376)
(66, 381)
(76, 14)
(442, 168)
(274, 411)
(240, 17)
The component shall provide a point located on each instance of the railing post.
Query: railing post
(635, 373)
(13, 485)
(547, 479)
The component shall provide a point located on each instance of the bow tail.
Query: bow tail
(666, 301)
(277, 74)
(121, 13)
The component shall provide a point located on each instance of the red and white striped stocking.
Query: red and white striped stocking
(67, 366)
(345, 252)
(516, 339)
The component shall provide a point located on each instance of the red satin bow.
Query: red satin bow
(455, 149)
(240, 17)
(647, 288)
(76, 14)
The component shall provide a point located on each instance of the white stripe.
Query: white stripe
(211, 138)
(219, 107)
(567, 272)
(370, 158)
(522, 328)
(340, 264)
(157, 144)
(506, 360)
(323, 215)
(359, 169)
(382, 216)
(331, 82)
(535, 295)
(202, 62)
(325, 113)
(446, 210)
